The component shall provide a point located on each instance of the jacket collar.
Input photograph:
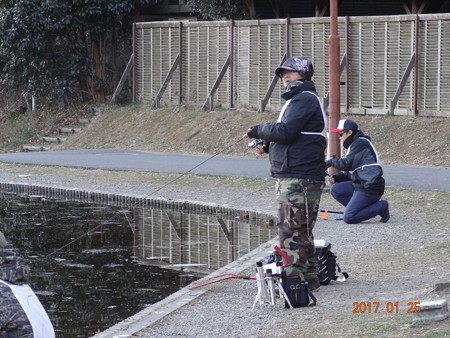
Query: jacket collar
(348, 142)
(307, 85)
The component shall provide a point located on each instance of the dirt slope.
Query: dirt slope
(400, 140)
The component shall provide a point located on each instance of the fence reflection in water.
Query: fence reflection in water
(108, 271)
(207, 242)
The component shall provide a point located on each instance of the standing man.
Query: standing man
(21, 312)
(296, 145)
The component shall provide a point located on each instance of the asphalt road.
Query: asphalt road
(420, 178)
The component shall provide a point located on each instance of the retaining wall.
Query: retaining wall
(76, 195)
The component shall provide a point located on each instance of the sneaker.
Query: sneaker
(385, 213)
(314, 285)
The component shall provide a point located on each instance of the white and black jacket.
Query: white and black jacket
(298, 139)
(361, 165)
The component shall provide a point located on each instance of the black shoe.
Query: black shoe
(385, 213)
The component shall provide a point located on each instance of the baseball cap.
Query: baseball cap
(345, 125)
(297, 64)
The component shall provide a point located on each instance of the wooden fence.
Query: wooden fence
(390, 65)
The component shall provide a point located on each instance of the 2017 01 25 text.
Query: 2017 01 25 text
(389, 307)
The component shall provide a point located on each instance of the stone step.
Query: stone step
(69, 130)
(53, 139)
(431, 311)
(84, 121)
(56, 140)
(35, 148)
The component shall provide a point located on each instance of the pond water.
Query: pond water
(82, 259)
(94, 265)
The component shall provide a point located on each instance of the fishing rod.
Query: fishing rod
(220, 278)
(195, 167)
(332, 212)
(151, 193)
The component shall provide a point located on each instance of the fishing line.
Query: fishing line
(74, 240)
(198, 165)
(251, 194)
(153, 192)
(91, 230)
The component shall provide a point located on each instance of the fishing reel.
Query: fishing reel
(255, 143)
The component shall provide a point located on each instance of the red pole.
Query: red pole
(334, 105)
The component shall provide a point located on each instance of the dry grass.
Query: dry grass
(400, 140)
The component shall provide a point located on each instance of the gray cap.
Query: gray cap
(297, 64)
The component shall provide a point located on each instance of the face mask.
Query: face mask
(293, 84)
(348, 141)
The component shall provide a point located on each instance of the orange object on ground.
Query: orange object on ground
(325, 215)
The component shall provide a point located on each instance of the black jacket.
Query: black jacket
(291, 153)
(360, 165)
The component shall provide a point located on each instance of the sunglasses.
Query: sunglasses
(342, 133)
(286, 71)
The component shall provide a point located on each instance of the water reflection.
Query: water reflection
(93, 283)
(206, 242)
(95, 265)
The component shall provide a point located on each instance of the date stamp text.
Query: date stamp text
(389, 307)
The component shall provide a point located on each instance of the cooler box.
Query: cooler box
(326, 262)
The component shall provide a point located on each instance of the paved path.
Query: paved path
(420, 178)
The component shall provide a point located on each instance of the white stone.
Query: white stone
(432, 311)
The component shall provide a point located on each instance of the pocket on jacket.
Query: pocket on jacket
(368, 175)
(278, 155)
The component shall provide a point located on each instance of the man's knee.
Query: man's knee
(338, 194)
(334, 192)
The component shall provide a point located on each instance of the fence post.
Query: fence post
(231, 53)
(347, 91)
(288, 43)
(416, 65)
(180, 63)
(134, 70)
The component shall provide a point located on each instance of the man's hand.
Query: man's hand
(253, 132)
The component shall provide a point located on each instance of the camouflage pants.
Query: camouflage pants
(298, 206)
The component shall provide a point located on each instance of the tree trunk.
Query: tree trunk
(98, 70)
(114, 61)
(250, 4)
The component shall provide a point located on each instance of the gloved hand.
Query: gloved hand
(253, 132)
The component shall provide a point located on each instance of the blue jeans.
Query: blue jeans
(359, 206)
